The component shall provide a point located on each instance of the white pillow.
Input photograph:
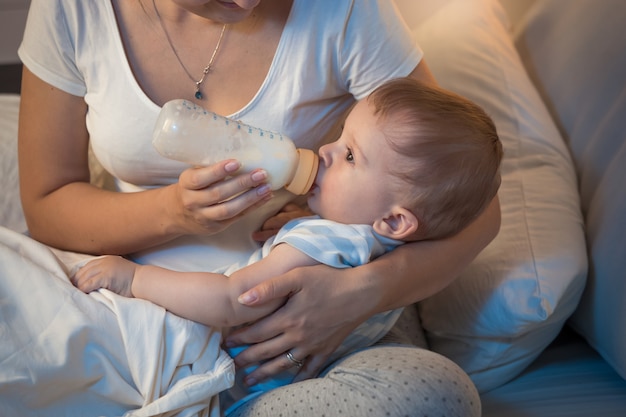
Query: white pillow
(515, 297)
(10, 206)
(591, 44)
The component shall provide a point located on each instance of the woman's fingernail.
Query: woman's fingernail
(231, 166)
(263, 190)
(247, 298)
(250, 381)
(259, 175)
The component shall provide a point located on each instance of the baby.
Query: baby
(414, 162)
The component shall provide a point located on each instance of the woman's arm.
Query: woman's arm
(62, 209)
(325, 305)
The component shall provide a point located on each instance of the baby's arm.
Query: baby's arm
(211, 298)
(111, 272)
(204, 297)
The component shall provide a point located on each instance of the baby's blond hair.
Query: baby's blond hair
(448, 151)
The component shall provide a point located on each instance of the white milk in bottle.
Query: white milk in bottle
(188, 133)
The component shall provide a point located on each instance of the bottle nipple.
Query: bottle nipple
(306, 170)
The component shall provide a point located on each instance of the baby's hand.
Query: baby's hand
(271, 226)
(111, 272)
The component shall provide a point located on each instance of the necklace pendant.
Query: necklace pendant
(207, 69)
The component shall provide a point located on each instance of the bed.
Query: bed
(532, 320)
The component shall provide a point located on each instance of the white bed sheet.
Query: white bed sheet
(66, 353)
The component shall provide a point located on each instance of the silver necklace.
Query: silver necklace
(206, 69)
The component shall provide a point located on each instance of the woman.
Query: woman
(101, 71)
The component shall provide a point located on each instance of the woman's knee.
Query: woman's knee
(417, 381)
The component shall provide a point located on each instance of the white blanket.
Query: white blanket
(65, 353)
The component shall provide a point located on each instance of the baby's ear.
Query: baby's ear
(399, 224)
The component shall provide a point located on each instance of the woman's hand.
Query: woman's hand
(273, 224)
(208, 199)
(322, 309)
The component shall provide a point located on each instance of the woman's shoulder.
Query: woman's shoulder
(73, 22)
(60, 36)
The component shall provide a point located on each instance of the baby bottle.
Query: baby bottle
(188, 133)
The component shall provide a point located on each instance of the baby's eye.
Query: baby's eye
(349, 155)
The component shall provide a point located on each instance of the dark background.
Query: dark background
(10, 78)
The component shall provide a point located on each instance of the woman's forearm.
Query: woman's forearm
(83, 218)
(90, 220)
(419, 270)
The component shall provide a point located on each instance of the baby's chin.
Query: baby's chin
(311, 196)
(312, 202)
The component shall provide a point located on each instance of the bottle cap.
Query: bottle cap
(308, 162)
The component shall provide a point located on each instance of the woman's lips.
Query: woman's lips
(228, 4)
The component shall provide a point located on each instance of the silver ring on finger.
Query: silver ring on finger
(293, 360)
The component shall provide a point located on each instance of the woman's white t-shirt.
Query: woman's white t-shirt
(331, 52)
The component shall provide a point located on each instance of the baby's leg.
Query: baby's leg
(384, 380)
